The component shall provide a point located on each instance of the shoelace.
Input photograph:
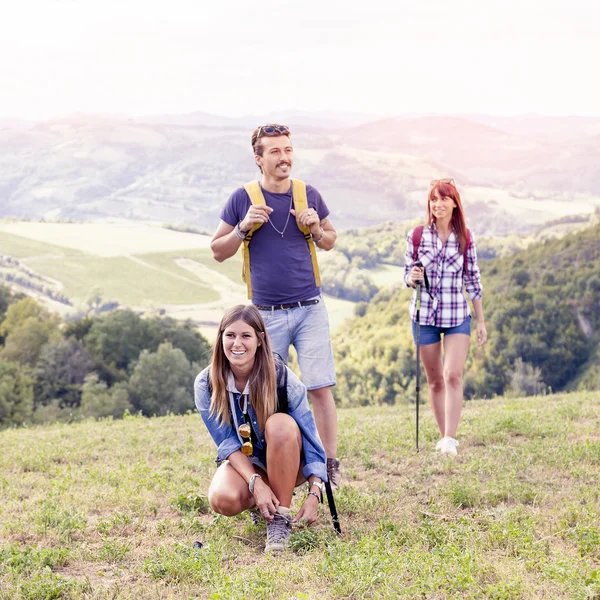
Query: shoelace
(278, 529)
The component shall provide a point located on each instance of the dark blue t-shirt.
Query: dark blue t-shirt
(280, 267)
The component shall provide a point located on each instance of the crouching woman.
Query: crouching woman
(256, 410)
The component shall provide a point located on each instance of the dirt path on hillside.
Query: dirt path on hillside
(231, 292)
(207, 316)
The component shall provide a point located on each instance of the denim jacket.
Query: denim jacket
(226, 436)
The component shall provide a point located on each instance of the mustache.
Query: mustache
(283, 163)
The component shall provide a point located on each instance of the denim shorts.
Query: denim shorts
(307, 329)
(430, 334)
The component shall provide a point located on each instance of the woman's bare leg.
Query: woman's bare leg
(431, 356)
(456, 349)
(284, 448)
(228, 493)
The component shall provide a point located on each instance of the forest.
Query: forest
(542, 310)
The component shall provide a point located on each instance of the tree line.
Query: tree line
(542, 310)
(97, 366)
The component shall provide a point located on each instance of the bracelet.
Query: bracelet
(320, 486)
(315, 495)
(322, 236)
(241, 234)
(252, 481)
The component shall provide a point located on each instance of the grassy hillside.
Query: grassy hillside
(110, 510)
(131, 280)
(542, 308)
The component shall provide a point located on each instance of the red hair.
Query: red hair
(457, 223)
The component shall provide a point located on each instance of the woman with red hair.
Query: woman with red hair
(446, 249)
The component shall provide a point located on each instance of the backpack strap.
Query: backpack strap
(299, 196)
(281, 374)
(417, 235)
(300, 203)
(257, 198)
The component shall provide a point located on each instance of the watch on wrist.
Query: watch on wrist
(240, 233)
(315, 495)
(321, 487)
(317, 240)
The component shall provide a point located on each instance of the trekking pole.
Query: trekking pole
(418, 306)
(418, 365)
(332, 509)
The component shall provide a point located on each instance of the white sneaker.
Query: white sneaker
(438, 446)
(448, 446)
(279, 530)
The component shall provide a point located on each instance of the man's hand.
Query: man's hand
(309, 218)
(256, 214)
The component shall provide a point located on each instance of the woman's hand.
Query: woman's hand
(416, 276)
(265, 499)
(309, 511)
(481, 333)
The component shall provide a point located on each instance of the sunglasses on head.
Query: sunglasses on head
(272, 130)
(445, 180)
(245, 433)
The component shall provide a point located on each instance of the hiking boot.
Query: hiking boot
(333, 472)
(279, 531)
(448, 446)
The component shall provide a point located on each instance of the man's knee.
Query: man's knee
(321, 395)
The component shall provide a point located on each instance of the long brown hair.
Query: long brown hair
(457, 222)
(263, 382)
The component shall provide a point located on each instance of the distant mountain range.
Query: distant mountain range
(514, 172)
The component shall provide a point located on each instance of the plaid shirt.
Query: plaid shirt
(447, 305)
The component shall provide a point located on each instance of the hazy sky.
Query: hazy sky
(244, 57)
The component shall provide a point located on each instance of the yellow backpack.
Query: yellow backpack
(300, 203)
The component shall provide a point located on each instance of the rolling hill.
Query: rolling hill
(181, 169)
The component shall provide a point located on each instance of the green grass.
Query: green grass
(111, 509)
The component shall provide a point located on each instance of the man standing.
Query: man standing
(280, 221)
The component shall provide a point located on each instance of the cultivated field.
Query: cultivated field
(142, 266)
(107, 239)
(111, 509)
